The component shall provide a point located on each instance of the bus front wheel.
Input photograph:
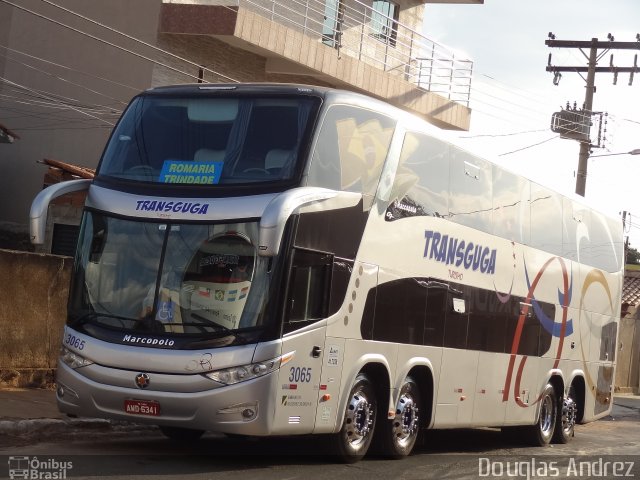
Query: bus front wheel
(354, 438)
(400, 434)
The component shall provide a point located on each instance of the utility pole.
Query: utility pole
(591, 69)
(585, 147)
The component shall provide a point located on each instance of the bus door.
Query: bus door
(304, 333)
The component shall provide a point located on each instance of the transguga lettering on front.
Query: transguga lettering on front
(176, 207)
(458, 252)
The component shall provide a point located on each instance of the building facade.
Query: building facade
(68, 68)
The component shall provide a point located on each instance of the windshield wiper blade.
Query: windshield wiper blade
(207, 323)
(93, 314)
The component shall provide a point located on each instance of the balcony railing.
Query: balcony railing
(356, 30)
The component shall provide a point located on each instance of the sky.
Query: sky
(513, 96)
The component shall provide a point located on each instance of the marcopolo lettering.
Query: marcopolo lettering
(175, 207)
(454, 251)
(154, 342)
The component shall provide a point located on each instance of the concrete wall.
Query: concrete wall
(33, 302)
(628, 354)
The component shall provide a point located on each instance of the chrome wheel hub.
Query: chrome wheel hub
(546, 416)
(359, 419)
(405, 425)
(569, 414)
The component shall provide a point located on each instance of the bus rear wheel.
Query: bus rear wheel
(352, 441)
(541, 433)
(567, 417)
(400, 434)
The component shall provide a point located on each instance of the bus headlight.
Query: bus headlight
(242, 373)
(72, 359)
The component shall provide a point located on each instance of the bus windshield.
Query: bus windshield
(168, 278)
(208, 141)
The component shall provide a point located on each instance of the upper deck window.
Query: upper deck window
(351, 149)
(208, 141)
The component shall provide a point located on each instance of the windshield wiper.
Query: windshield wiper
(93, 315)
(208, 323)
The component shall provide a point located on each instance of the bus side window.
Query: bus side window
(511, 206)
(546, 219)
(309, 287)
(470, 190)
(351, 149)
(422, 179)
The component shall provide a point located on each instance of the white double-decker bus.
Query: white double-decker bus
(264, 260)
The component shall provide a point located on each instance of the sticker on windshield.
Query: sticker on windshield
(189, 172)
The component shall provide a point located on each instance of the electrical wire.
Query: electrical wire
(60, 99)
(63, 79)
(113, 30)
(529, 146)
(61, 102)
(505, 134)
(65, 67)
(139, 55)
(54, 100)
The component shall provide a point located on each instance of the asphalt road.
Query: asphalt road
(608, 448)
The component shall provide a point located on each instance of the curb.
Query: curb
(26, 430)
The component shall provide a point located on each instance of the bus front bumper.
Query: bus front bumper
(245, 408)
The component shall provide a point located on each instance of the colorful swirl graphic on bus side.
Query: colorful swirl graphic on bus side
(594, 277)
(560, 330)
(556, 330)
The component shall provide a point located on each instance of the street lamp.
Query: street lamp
(635, 151)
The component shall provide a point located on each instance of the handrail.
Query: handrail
(356, 30)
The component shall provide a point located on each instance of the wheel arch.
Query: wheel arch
(376, 368)
(557, 381)
(421, 370)
(580, 391)
(381, 382)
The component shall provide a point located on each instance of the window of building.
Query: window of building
(384, 21)
(331, 27)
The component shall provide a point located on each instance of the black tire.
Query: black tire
(354, 438)
(179, 434)
(567, 418)
(541, 433)
(398, 436)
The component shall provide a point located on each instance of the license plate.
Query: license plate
(142, 407)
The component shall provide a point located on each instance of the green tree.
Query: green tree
(633, 256)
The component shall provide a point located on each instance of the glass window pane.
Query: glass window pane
(607, 243)
(421, 184)
(546, 219)
(309, 291)
(576, 244)
(159, 278)
(208, 141)
(470, 190)
(351, 149)
(384, 17)
(511, 215)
